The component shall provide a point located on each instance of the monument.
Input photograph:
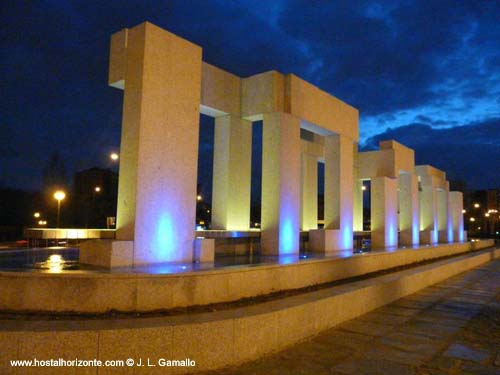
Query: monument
(166, 87)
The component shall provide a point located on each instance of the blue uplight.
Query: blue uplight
(450, 233)
(346, 235)
(392, 239)
(288, 259)
(165, 239)
(415, 233)
(435, 236)
(288, 243)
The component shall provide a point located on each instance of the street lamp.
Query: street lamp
(199, 198)
(97, 189)
(114, 156)
(59, 196)
(36, 215)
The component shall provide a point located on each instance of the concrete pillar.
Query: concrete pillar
(232, 173)
(339, 179)
(428, 212)
(338, 182)
(309, 192)
(280, 222)
(408, 209)
(384, 212)
(457, 217)
(445, 229)
(159, 145)
(358, 193)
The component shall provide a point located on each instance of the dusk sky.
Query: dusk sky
(426, 73)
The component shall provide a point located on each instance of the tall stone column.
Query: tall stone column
(408, 209)
(339, 187)
(358, 193)
(339, 179)
(428, 212)
(232, 173)
(457, 216)
(159, 147)
(445, 229)
(309, 192)
(281, 165)
(384, 212)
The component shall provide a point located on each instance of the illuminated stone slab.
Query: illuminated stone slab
(457, 216)
(384, 209)
(339, 180)
(232, 173)
(280, 184)
(159, 143)
(309, 192)
(408, 209)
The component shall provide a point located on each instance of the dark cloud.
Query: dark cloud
(402, 56)
(469, 153)
(435, 123)
(424, 119)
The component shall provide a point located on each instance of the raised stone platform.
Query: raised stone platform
(97, 292)
(274, 325)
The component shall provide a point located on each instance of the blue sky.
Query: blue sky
(424, 72)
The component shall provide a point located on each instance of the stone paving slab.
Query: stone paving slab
(449, 328)
(467, 353)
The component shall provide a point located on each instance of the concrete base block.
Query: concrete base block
(326, 241)
(204, 250)
(443, 237)
(406, 238)
(428, 237)
(107, 253)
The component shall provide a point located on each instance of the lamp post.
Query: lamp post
(59, 196)
(95, 211)
(36, 216)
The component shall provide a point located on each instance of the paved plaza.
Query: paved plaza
(449, 328)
